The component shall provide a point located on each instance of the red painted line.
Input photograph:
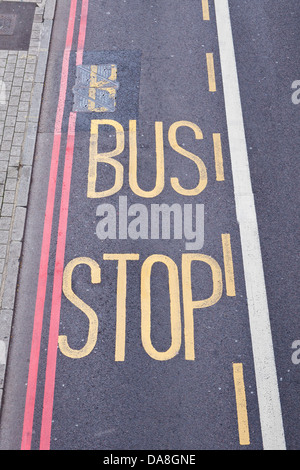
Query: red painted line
(57, 290)
(45, 436)
(44, 260)
(82, 31)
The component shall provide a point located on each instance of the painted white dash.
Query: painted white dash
(2, 352)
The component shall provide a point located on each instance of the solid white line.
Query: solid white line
(262, 344)
(2, 353)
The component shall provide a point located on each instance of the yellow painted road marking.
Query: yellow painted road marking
(189, 304)
(211, 72)
(133, 161)
(228, 265)
(103, 83)
(218, 157)
(241, 404)
(205, 9)
(86, 309)
(96, 158)
(175, 319)
(121, 300)
(201, 166)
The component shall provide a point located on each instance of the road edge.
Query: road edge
(9, 286)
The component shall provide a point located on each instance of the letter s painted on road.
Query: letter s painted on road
(296, 94)
(296, 354)
(86, 309)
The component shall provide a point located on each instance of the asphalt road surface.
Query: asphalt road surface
(158, 294)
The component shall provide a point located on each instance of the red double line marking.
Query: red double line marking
(60, 249)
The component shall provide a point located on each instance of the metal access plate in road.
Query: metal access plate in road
(16, 20)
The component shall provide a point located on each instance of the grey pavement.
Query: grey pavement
(22, 74)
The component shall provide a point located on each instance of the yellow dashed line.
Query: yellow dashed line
(211, 71)
(228, 265)
(241, 404)
(205, 9)
(218, 157)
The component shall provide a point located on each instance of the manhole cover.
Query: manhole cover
(16, 20)
(7, 24)
(95, 88)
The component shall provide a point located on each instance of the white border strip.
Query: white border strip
(262, 344)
